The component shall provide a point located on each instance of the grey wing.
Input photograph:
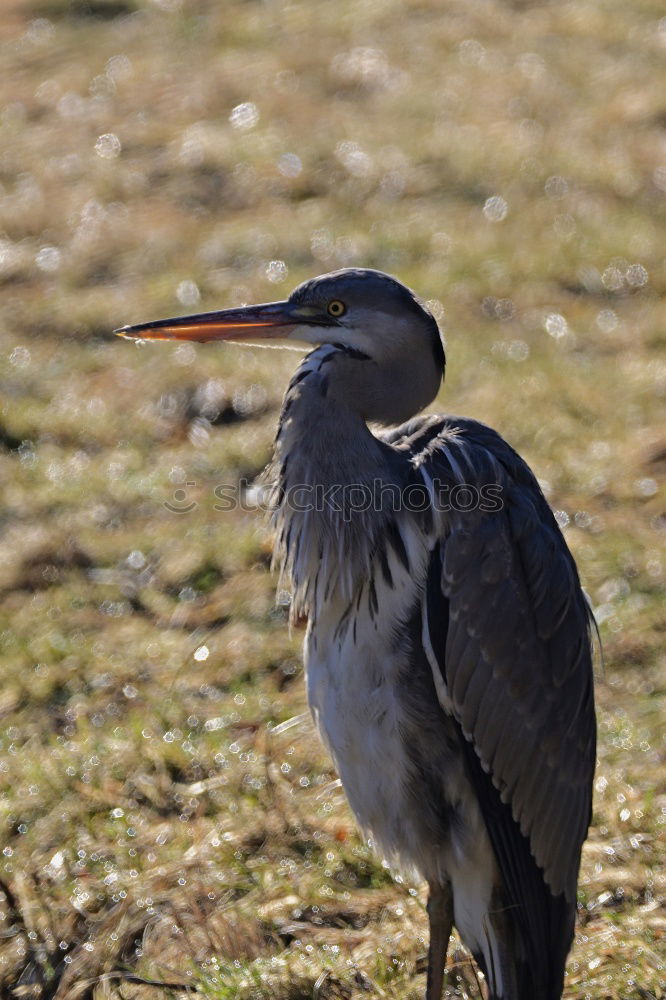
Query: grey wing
(516, 658)
(506, 628)
(507, 633)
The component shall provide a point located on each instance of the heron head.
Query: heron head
(366, 311)
(370, 315)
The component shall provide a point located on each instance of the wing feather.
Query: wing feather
(561, 822)
(509, 740)
(515, 658)
(472, 693)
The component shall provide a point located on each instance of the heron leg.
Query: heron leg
(440, 919)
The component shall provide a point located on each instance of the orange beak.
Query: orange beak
(270, 320)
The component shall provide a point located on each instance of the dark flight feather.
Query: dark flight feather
(510, 629)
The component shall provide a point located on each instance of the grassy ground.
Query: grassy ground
(508, 160)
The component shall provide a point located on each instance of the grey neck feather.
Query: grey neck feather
(327, 465)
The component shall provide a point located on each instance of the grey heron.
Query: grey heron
(448, 647)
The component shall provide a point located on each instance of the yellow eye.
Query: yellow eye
(336, 308)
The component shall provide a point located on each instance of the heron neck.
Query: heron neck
(327, 468)
(322, 437)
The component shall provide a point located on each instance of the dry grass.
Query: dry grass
(151, 821)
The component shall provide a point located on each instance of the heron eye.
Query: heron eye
(336, 308)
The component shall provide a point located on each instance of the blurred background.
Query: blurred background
(165, 807)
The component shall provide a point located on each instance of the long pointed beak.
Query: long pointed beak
(267, 321)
